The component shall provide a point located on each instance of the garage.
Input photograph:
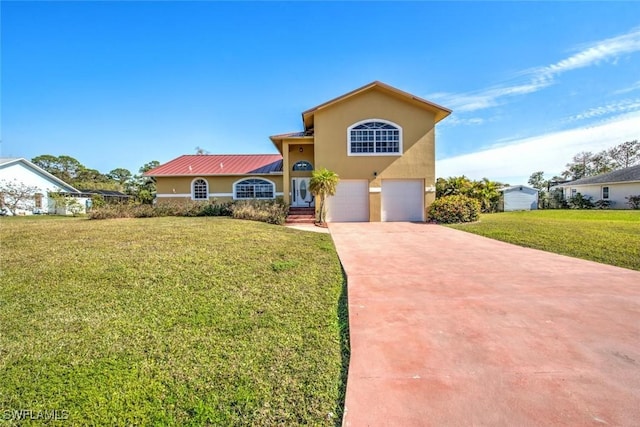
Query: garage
(350, 203)
(402, 200)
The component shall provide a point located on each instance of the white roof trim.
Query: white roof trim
(39, 170)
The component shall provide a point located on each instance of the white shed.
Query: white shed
(518, 198)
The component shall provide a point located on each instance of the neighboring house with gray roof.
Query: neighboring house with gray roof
(613, 186)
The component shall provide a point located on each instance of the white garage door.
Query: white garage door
(350, 203)
(402, 200)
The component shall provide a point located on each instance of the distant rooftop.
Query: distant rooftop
(630, 174)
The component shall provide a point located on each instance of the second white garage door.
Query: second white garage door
(350, 203)
(402, 200)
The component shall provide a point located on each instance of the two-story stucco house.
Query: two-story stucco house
(378, 139)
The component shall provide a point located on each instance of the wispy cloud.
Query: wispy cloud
(626, 105)
(633, 87)
(455, 120)
(535, 79)
(549, 152)
(608, 49)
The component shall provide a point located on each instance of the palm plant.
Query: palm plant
(323, 184)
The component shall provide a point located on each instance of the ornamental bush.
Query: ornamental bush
(269, 211)
(633, 201)
(581, 202)
(454, 209)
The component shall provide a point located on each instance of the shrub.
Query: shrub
(581, 202)
(169, 208)
(634, 201)
(217, 209)
(97, 201)
(603, 204)
(269, 211)
(453, 209)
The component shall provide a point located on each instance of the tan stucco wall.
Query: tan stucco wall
(418, 143)
(295, 156)
(181, 186)
(291, 154)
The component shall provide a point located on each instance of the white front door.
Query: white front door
(300, 194)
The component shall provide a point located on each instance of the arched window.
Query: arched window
(374, 137)
(254, 188)
(302, 165)
(200, 189)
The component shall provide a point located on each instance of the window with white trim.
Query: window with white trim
(302, 165)
(200, 189)
(375, 137)
(605, 193)
(254, 188)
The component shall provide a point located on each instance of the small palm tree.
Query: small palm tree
(323, 183)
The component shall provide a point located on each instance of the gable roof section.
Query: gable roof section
(440, 111)
(220, 164)
(513, 187)
(8, 161)
(630, 174)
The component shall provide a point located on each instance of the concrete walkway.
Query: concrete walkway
(452, 329)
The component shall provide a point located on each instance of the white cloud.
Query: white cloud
(608, 49)
(538, 78)
(631, 88)
(473, 101)
(549, 152)
(454, 120)
(626, 105)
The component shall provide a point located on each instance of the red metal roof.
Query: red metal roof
(220, 164)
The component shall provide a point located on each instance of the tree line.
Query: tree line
(74, 173)
(586, 163)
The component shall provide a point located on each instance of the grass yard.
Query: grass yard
(171, 321)
(606, 236)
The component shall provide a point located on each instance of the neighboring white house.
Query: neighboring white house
(19, 171)
(518, 198)
(613, 186)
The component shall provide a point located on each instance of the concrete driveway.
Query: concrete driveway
(453, 329)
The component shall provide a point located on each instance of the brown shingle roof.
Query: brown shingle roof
(220, 164)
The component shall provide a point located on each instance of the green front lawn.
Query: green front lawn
(606, 236)
(171, 321)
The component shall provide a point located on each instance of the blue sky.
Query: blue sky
(118, 84)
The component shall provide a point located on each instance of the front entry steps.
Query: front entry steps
(301, 216)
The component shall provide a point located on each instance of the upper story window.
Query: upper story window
(200, 189)
(254, 188)
(302, 165)
(605, 192)
(374, 137)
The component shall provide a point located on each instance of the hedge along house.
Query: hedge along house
(378, 139)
